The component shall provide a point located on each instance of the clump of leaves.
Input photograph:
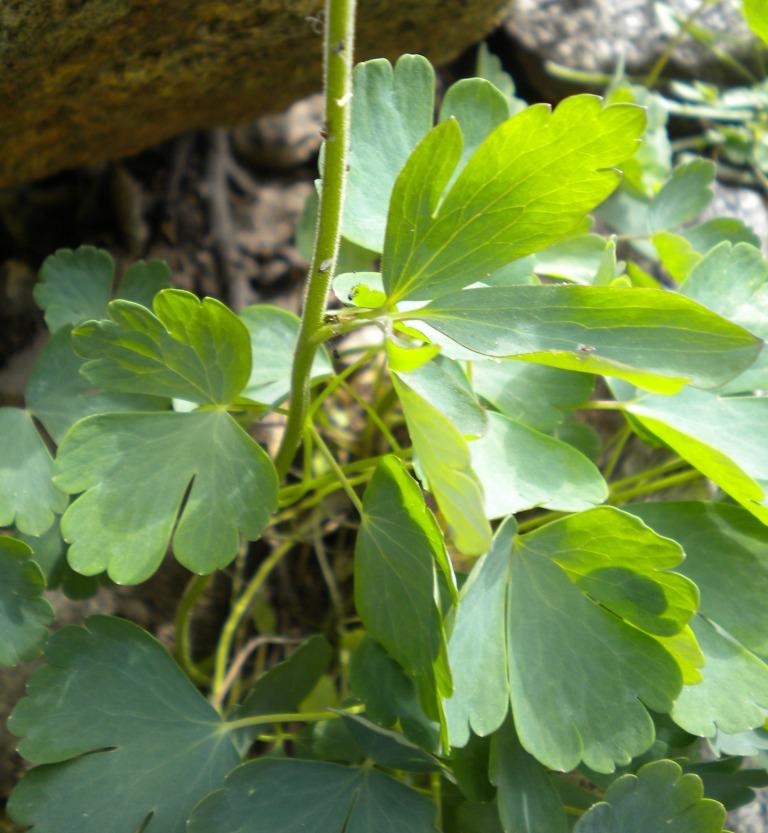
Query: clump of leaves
(525, 645)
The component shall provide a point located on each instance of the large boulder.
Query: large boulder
(87, 80)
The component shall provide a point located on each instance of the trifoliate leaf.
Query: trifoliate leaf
(652, 338)
(733, 282)
(521, 468)
(24, 613)
(526, 798)
(684, 196)
(444, 458)
(727, 556)
(186, 348)
(28, 498)
(273, 332)
(387, 748)
(659, 798)
(564, 611)
(554, 170)
(58, 395)
(76, 286)
(692, 423)
(443, 383)
(294, 796)
(135, 471)
(390, 696)
(533, 394)
(392, 108)
(398, 549)
(122, 739)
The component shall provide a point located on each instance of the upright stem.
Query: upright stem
(339, 43)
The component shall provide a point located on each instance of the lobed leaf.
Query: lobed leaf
(659, 797)
(295, 796)
(529, 184)
(195, 479)
(528, 612)
(186, 348)
(120, 737)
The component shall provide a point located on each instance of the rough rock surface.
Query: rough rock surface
(86, 80)
(595, 35)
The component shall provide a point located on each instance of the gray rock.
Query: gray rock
(753, 818)
(594, 35)
(745, 204)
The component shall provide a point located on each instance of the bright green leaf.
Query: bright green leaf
(392, 108)
(273, 332)
(124, 528)
(533, 394)
(653, 338)
(396, 554)
(28, 498)
(554, 170)
(445, 460)
(676, 253)
(294, 796)
(359, 289)
(121, 736)
(684, 196)
(24, 613)
(526, 798)
(58, 395)
(186, 348)
(756, 15)
(658, 798)
(521, 468)
(693, 424)
(530, 607)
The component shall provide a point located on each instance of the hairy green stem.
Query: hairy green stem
(193, 591)
(339, 43)
(336, 468)
(655, 486)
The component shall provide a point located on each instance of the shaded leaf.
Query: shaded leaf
(533, 394)
(273, 332)
(521, 468)
(58, 395)
(527, 800)
(727, 556)
(119, 734)
(387, 748)
(24, 613)
(659, 797)
(684, 196)
(28, 498)
(295, 796)
(652, 338)
(392, 108)
(126, 530)
(554, 170)
(396, 553)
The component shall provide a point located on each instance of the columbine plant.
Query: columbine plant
(531, 646)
